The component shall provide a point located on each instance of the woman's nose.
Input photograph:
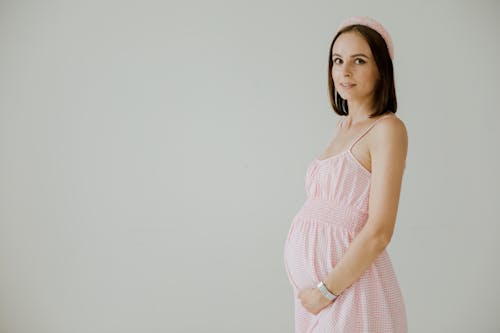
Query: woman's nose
(346, 70)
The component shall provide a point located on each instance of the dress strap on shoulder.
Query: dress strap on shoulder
(366, 130)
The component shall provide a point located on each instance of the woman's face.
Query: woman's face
(354, 70)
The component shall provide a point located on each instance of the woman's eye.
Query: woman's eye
(357, 61)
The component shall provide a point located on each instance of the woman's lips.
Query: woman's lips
(347, 85)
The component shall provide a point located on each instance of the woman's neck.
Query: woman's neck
(358, 113)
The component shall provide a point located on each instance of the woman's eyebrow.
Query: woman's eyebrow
(354, 55)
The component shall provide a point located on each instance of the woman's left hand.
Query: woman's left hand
(313, 300)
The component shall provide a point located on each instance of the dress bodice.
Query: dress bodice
(341, 178)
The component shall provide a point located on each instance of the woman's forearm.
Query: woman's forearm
(360, 255)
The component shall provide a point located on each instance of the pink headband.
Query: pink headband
(371, 23)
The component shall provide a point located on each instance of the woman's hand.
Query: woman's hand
(313, 300)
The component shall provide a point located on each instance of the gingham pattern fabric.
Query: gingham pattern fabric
(335, 210)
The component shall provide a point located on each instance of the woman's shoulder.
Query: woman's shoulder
(391, 128)
(392, 120)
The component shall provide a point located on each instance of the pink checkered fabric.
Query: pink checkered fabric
(335, 211)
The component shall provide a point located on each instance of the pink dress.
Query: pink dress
(335, 210)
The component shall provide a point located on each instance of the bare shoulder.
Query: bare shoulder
(389, 130)
(389, 142)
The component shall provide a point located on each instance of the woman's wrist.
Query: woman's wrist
(326, 292)
(322, 299)
(332, 289)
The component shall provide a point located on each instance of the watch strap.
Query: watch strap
(327, 293)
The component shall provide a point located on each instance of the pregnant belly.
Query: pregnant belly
(309, 253)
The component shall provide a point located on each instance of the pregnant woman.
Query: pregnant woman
(335, 252)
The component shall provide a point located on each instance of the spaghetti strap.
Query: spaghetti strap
(366, 131)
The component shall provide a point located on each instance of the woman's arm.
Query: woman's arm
(388, 151)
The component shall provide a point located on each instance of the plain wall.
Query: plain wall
(153, 155)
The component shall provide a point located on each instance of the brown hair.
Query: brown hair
(385, 92)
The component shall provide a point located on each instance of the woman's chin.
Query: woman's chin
(351, 98)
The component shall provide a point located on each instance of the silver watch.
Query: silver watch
(327, 293)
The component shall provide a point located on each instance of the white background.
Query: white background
(153, 155)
